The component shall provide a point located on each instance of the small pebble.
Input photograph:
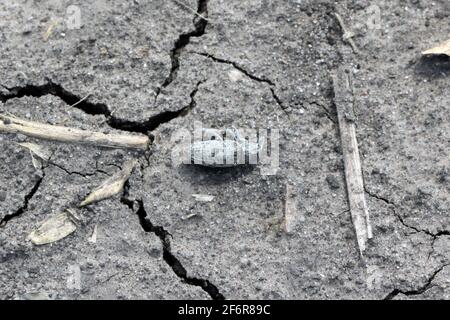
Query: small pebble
(333, 182)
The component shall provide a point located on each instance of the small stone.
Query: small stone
(244, 262)
(235, 75)
(333, 182)
(2, 196)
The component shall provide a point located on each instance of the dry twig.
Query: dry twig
(11, 124)
(353, 171)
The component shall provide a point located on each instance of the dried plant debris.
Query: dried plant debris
(292, 216)
(37, 150)
(38, 154)
(442, 49)
(347, 35)
(36, 296)
(93, 237)
(344, 100)
(54, 228)
(12, 124)
(50, 30)
(112, 185)
(203, 197)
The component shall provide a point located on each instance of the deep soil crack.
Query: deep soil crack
(428, 284)
(170, 258)
(57, 90)
(183, 40)
(51, 88)
(26, 201)
(125, 196)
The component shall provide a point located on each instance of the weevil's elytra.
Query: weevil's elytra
(224, 153)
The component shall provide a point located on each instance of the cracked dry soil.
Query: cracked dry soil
(153, 67)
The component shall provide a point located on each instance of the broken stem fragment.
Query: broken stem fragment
(343, 92)
(11, 124)
(111, 186)
(347, 35)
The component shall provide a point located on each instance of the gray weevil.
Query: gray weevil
(224, 153)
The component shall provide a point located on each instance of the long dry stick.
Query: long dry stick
(353, 172)
(11, 124)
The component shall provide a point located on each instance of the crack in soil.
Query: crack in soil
(169, 257)
(164, 236)
(428, 284)
(78, 173)
(400, 218)
(325, 110)
(81, 174)
(51, 88)
(434, 236)
(26, 201)
(248, 74)
(56, 90)
(183, 40)
(125, 196)
(236, 66)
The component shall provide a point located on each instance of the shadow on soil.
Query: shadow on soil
(433, 67)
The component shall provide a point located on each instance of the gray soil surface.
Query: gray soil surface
(154, 67)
